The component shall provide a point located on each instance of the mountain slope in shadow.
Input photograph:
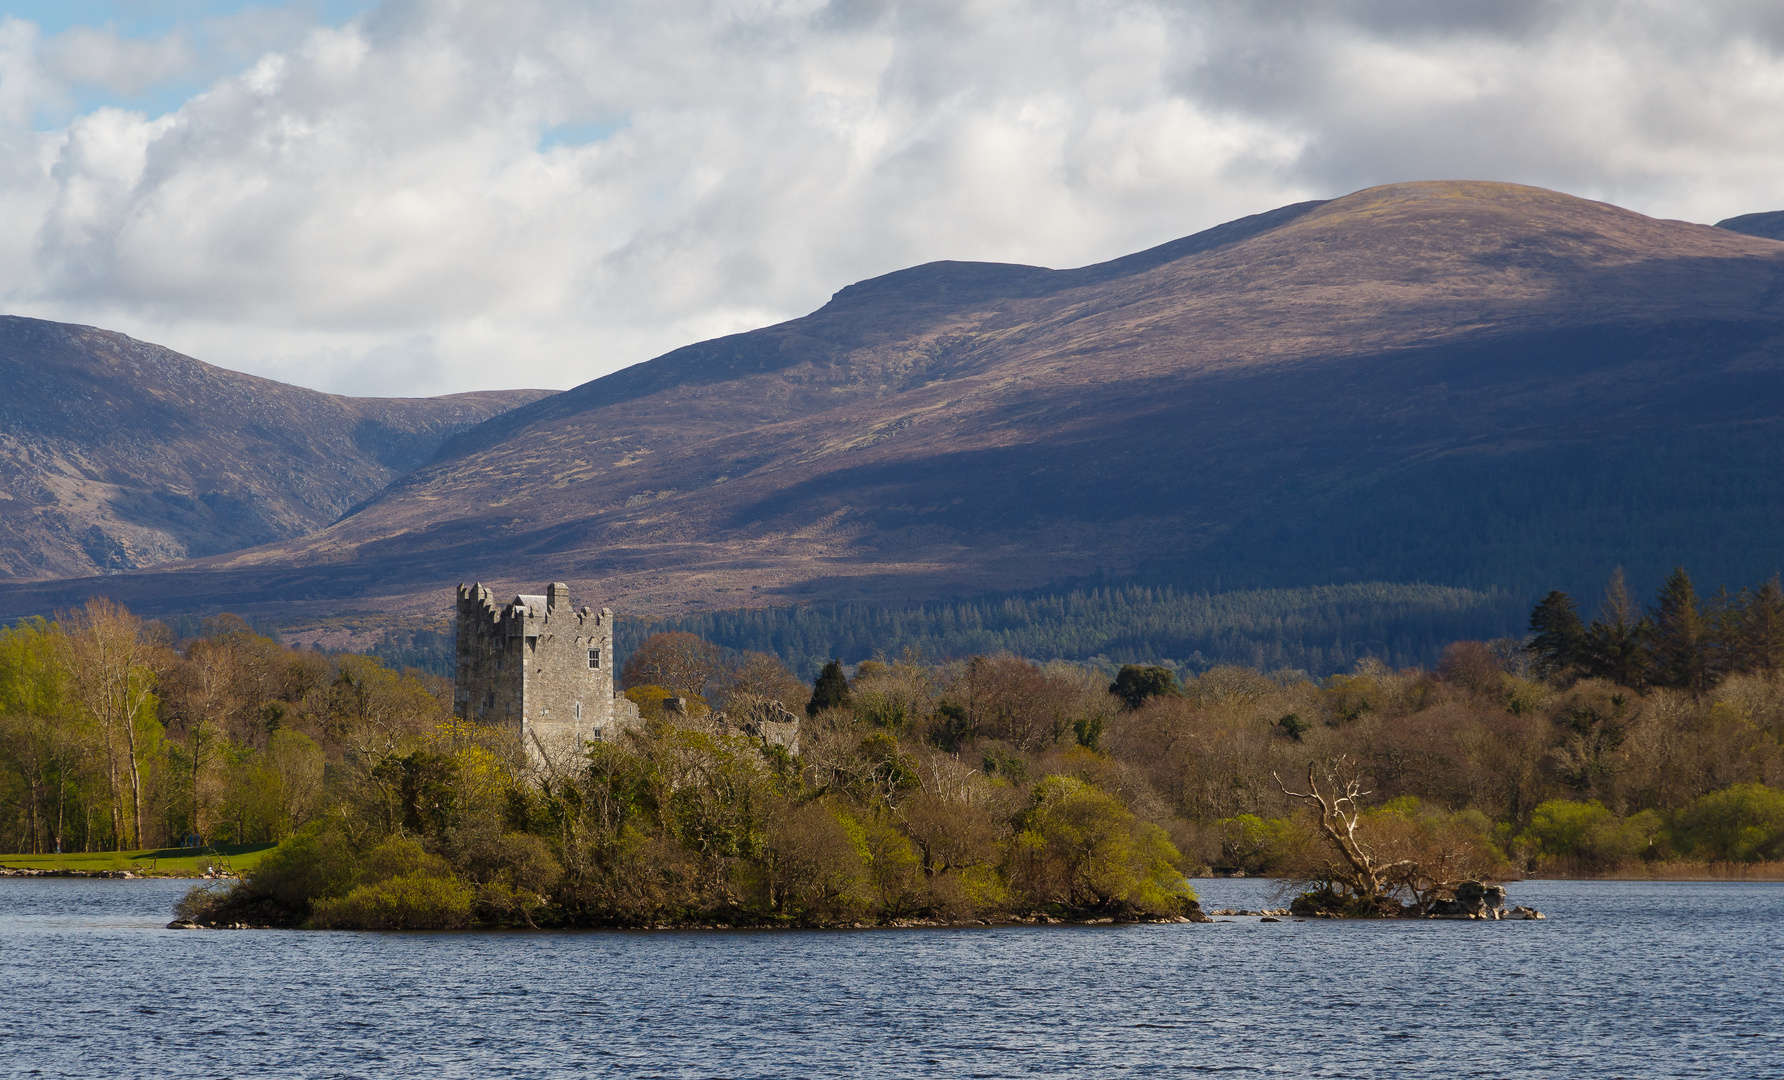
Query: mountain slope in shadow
(1472, 383)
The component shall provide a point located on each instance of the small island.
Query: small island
(698, 786)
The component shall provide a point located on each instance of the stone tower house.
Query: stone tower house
(540, 667)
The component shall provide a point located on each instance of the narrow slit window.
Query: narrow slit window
(579, 710)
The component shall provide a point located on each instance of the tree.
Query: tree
(1340, 808)
(757, 677)
(38, 740)
(830, 691)
(1471, 664)
(115, 683)
(1080, 847)
(1559, 637)
(1136, 682)
(1759, 634)
(1017, 701)
(1680, 640)
(1615, 641)
(201, 694)
(1421, 855)
(676, 661)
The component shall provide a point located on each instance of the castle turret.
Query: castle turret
(536, 665)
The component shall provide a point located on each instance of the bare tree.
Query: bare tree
(115, 682)
(1419, 855)
(757, 677)
(1340, 814)
(679, 662)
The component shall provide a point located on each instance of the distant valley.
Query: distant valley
(117, 455)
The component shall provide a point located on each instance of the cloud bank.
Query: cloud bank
(437, 196)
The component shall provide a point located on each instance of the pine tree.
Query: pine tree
(1680, 642)
(1760, 642)
(1615, 640)
(1723, 617)
(1560, 637)
(831, 691)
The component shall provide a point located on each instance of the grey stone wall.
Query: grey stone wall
(540, 666)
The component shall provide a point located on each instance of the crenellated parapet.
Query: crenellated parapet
(539, 665)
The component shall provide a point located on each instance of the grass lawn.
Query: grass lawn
(162, 862)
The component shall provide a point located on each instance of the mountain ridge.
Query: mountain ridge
(1251, 404)
(1769, 224)
(117, 454)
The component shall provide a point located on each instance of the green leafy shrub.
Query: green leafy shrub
(1586, 835)
(401, 887)
(1255, 845)
(1743, 823)
(1081, 848)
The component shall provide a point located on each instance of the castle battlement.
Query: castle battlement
(540, 666)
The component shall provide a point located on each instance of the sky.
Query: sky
(417, 197)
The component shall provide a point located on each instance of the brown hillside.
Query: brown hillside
(969, 427)
(116, 454)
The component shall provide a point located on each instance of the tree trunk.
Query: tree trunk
(135, 785)
(117, 808)
(36, 798)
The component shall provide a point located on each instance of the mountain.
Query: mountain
(116, 454)
(1472, 384)
(1769, 224)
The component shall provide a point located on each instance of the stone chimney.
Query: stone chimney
(555, 594)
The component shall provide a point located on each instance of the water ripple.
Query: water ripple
(1624, 979)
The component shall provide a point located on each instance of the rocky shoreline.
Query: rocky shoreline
(1470, 900)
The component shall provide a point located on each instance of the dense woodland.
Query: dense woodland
(983, 788)
(1319, 630)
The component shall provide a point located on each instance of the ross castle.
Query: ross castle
(539, 666)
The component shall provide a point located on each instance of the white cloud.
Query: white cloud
(449, 195)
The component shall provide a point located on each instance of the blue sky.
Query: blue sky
(152, 18)
(146, 20)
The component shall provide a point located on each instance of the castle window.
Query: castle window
(594, 658)
(489, 699)
(596, 737)
(498, 663)
(579, 710)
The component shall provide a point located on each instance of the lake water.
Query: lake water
(1623, 980)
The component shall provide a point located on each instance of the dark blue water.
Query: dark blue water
(1624, 979)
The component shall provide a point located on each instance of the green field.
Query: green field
(161, 862)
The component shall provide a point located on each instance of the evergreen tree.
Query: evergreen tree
(1722, 619)
(1759, 642)
(1680, 640)
(1137, 682)
(831, 691)
(1560, 637)
(1615, 641)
